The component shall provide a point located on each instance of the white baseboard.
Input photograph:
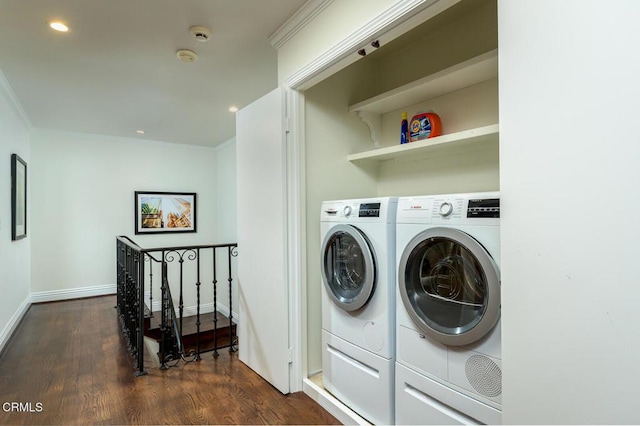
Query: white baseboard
(73, 293)
(327, 401)
(13, 322)
(79, 293)
(206, 308)
(103, 290)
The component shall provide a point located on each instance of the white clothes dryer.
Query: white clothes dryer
(448, 368)
(358, 304)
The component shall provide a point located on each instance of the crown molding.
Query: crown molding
(298, 21)
(229, 142)
(12, 99)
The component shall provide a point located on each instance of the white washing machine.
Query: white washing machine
(448, 359)
(358, 304)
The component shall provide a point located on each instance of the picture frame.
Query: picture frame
(165, 212)
(18, 198)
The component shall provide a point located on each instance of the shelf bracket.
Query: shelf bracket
(372, 120)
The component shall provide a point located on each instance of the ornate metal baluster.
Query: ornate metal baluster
(140, 312)
(181, 303)
(121, 283)
(164, 327)
(130, 297)
(150, 287)
(215, 305)
(230, 279)
(167, 322)
(120, 274)
(197, 357)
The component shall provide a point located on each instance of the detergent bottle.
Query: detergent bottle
(425, 125)
(404, 129)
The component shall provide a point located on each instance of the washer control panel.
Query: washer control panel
(483, 207)
(369, 210)
(448, 207)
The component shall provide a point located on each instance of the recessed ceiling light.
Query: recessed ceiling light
(59, 26)
(233, 109)
(140, 132)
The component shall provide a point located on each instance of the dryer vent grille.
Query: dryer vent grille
(484, 375)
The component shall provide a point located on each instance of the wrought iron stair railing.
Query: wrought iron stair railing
(193, 268)
(171, 346)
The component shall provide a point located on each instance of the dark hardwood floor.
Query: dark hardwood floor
(67, 364)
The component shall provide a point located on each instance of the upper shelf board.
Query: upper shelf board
(418, 149)
(473, 71)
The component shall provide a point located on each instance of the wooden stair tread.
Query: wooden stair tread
(189, 323)
(189, 333)
(224, 336)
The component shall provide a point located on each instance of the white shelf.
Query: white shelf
(422, 148)
(473, 71)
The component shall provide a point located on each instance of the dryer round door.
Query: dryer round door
(348, 267)
(450, 286)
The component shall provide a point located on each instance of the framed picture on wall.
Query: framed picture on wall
(165, 212)
(18, 198)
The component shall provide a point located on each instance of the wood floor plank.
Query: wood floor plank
(70, 357)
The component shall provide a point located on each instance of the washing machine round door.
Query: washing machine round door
(348, 267)
(450, 286)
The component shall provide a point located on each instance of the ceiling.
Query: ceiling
(116, 71)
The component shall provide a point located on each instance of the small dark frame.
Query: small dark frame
(18, 198)
(165, 212)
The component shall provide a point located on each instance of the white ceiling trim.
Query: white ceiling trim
(224, 145)
(13, 101)
(298, 21)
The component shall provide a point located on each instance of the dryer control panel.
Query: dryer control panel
(448, 207)
(479, 208)
(363, 210)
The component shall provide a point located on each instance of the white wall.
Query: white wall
(226, 223)
(82, 192)
(14, 255)
(569, 153)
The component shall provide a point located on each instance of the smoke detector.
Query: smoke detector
(200, 33)
(186, 55)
